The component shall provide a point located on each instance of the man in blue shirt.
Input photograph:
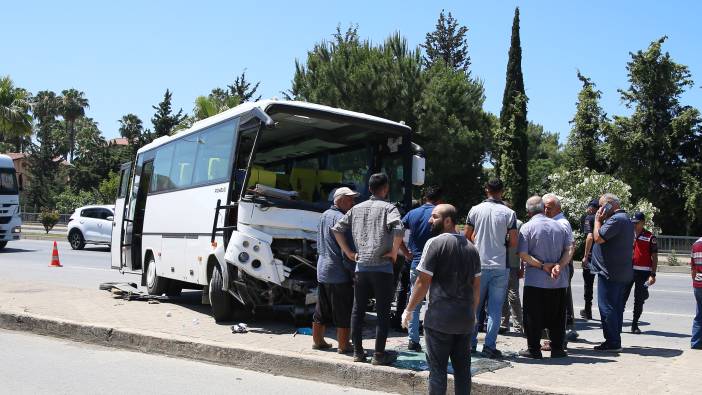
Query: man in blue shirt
(335, 277)
(417, 222)
(613, 235)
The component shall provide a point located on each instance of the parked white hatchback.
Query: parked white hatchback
(90, 225)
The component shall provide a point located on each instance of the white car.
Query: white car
(90, 225)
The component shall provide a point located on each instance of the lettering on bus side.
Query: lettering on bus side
(221, 190)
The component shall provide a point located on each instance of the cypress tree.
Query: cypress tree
(511, 139)
(165, 120)
(584, 146)
(447, 43)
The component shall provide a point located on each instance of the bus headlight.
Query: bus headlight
(17, 229)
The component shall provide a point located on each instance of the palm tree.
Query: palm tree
(15, 121)
(73, 105)
(213, 104)
(45, 106)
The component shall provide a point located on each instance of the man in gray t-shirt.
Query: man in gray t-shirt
(489, 225)
(450, 271)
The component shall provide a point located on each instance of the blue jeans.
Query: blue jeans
(493, 285)
(413, 327)
(610, 300)
(696, 341)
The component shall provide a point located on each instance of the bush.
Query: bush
(49, 218)
(577, 188)
(69, 200)
(673, 259)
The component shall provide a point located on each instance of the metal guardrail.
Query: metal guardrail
(36, 218)
(679, 244)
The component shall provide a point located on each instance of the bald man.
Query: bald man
(450, 270)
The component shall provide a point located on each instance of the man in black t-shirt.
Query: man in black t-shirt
(587, 223)
(450, 271)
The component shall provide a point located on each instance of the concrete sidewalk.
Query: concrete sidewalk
(656, 363)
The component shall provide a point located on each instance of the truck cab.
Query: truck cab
(10, 220)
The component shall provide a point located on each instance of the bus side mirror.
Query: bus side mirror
(418, 173)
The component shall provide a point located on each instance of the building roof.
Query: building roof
(119, 141)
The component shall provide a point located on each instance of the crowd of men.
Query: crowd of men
(477, 273)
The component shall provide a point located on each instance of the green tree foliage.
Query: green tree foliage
(590, 123)
(72, 105)
(164, 120)
(442, 105)
(544, 157)
(44, 157)
(132, 128)
(95, 159)
(107, 190)
(49, 218)
(454, 130)
(15, 120)
(70, 199)
(447, 43)
(511, 139)
(656, 149)
(243, 90)
(347, 72)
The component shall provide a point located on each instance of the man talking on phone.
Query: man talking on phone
(613, 235)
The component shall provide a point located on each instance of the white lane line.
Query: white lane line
(85, 268)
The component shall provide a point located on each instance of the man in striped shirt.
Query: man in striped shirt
(696, 264)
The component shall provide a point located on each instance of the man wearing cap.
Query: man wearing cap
(587, 223)
(334, 275)
(645, 260)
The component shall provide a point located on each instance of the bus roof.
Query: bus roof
(6, 162)
(264, 105)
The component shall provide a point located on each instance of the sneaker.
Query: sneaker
(473, 350)
(414, 346)
(604, 347)
(503, 330)
(635, 329)
(491, 353)
(384, 358)
(546, 346)
(359, 356)
(572, 336)
(558, 354)
(586, 314)
(526, 353)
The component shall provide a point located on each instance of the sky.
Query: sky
(125, 54)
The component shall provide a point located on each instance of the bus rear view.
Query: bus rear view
(10, 220)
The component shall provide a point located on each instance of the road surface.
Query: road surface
(64, 367)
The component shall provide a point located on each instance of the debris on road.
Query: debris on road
(240, 328)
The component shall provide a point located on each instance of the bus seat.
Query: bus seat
(329, 177)
(282, 181)
(304, 181)
(263, 177)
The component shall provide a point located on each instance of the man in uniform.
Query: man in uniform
(587, 223)
(645, 262)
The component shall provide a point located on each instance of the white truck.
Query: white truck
(10, 219)
(231, 205)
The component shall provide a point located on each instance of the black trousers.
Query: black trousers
(401, 277)
(382, 286)
(589, 280)
(570, 315)
(544, 309)
(440, 347)
(640, 292)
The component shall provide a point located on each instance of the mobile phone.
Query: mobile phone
(607, 209)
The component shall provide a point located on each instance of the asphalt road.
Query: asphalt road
(668, 312)
(64, 367)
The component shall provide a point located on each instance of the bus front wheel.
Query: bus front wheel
(3, 244)
(155, 284)
(222, 303)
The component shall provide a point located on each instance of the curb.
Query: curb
(684, 268)
(287, 364)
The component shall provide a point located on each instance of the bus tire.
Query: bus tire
(3, 244)
(222, 303)
(155, 284)
(76, 240)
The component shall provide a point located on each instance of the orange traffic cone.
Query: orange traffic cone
(55, 262)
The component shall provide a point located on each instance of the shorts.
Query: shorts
(334, 304)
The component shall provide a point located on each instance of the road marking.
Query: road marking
(576, 308)
(652, 290)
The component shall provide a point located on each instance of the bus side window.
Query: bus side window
(215, 147)
(184, 162)
(161, 179)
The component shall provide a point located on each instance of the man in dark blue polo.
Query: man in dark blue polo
(613, 235)
(417, 222)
